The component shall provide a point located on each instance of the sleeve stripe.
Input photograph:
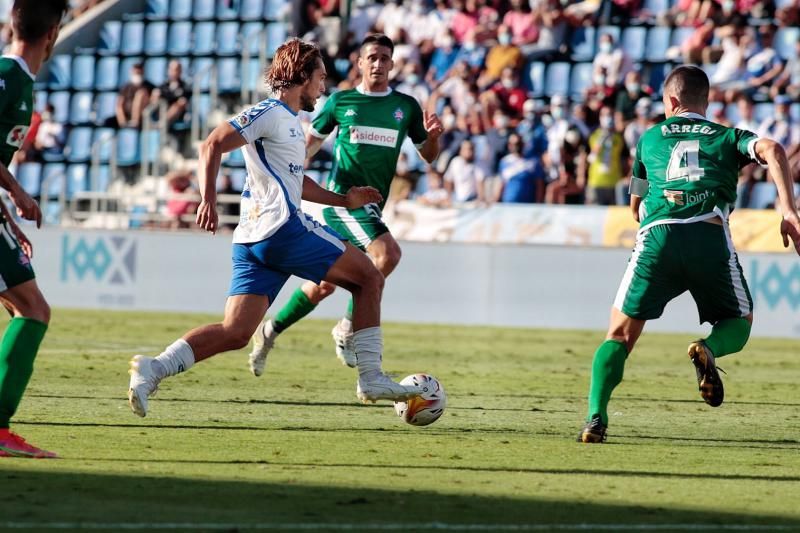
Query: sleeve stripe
(751, 151)
(317, 134)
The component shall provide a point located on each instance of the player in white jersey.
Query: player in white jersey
(274, 238)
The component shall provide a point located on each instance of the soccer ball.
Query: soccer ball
(426, 408)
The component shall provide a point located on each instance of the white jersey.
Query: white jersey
(274, 156)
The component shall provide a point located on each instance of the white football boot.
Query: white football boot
(144, 383)
(345, 347)
(263, 342)
(382, 388)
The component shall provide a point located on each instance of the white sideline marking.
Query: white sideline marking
(430, 526)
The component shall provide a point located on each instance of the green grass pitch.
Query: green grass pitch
(293, 450)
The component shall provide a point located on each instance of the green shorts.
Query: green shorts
(669, 259)
(359, 226)
(15, 266)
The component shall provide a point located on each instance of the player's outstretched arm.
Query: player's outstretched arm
(356, 196)
(223, 139)
(773, 154)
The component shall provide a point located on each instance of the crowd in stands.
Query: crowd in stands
(472, 62)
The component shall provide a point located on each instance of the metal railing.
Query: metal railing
(199, 132)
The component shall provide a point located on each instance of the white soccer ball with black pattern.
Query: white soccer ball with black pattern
(426, 408)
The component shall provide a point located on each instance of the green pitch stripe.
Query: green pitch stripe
(430, 526)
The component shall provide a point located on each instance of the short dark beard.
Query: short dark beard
(307, 103)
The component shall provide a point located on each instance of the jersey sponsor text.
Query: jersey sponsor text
(376, 136)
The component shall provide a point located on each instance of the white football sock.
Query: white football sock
(177, 357)
(368, 343)
(345, 324)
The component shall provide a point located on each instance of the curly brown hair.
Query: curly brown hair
(293, 64)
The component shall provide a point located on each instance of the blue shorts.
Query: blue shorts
(301, 247)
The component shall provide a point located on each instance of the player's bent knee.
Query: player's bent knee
(238, 338)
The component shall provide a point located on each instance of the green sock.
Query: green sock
(296, 308)
(17, 352)
(349, 314)
(728, 336)
(607, 368)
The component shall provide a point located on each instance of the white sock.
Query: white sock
(178, 357)
(268, 328)
(368, 343)
(346, 324)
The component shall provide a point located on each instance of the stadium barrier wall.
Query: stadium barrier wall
(451, 283)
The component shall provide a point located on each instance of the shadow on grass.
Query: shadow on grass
(35, 499)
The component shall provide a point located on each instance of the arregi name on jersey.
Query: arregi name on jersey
(376, 136)
(670, 129)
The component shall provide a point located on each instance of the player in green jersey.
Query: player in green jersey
(372, 120)
(35, 25)
(683, 189)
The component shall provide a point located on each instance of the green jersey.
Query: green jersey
(692, 167)
(372, 128)
(16, 105)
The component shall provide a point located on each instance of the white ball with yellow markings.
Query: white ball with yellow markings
(426, 408)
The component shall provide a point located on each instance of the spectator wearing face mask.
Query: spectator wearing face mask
(570, 182)
(502, 55)
(532, 130)
(522, 23)
(133, 98)
(632, 92)
(471, 53)
(555, 134)
(412, 84)
(497, 135)
(464, 178)
(781, 127)
(506, 94)
(443, 58)
(611, 64)
(606, 161)
(435, 194)
(521, 179)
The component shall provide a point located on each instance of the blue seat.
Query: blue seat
(125, 69)
(763, 195)
(80, 108)
(155, 39)
(580, 80)
(83, 72)
(785, 41)
(227, 10)
(556, 80)
(155, 70)
(679, 35)
(251, 74)
(203, 9)
(179, 38)
(200, 70)
(180, 9)
(251, 38)
(151, 145)
(103, 140)
(105, 107)
(657, 44)
(204, 38)
(238, 177)
(534, 81)
(29, 176)
(582, 43)
(53, 180)
(60, 101)
(109, 38)
(59, 72)
(274, 9)
(156, 9)
(203, 107)
(132, 39)
(128, 152)
(99, 178)
(276, 35)
(634, 42)
(658, 73)
(39, 101)
(78, 148)
(106, 76)
(763, 110)
(229, 76)
(227, 38)
(77, 179)
(251, 9)
(235, 159)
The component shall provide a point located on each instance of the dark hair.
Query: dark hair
(32, 19)
(293, 64)
(689, 84)
(379, 39)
